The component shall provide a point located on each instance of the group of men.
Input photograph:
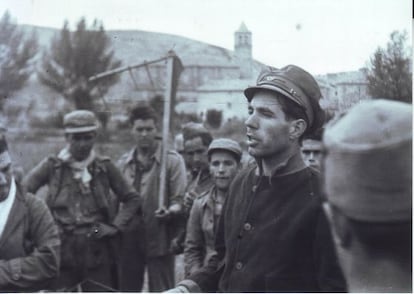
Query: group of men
(268, 227)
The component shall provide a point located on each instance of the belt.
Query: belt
(81, 230)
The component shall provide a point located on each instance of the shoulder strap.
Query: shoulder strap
(55, 183)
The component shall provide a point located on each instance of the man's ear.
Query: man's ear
(297, 128)
(339, 226)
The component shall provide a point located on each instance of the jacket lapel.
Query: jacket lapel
(16, 215)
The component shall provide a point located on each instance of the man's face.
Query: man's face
(196, 154)
(311, 153)
(145, 132)
(223, 168)
(81, 144)
(267, 127)
(5, 180)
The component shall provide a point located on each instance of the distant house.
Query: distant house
(213, 77)
(342, 90)
(207, 69)
(226, 93)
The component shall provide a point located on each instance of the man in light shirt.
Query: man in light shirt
(29, 240)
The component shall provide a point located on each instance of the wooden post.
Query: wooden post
(166, 129)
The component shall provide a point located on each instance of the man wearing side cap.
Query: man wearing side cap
(368, 185)
(29, 238)
(224, 160)
(85, 211)
(273, 235)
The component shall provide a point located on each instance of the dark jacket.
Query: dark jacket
(273, 237)
(29, 246)
(105, 178)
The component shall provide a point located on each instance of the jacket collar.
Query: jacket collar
(130, 159)
(17, 213)
(208, 199)
(290, 165)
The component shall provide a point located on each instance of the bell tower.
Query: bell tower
(243, 51)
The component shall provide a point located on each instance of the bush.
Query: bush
(49, 121)
(214, 118)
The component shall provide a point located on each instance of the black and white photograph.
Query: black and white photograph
(179, 146)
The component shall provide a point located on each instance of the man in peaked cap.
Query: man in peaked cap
(368, 183)
(29, 238)
(273, 235)
(80, 184)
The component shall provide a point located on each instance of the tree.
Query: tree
(214, 118)
(389, 73)
(16, 57)
(73, 58)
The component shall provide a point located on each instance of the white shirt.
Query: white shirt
(6, 205)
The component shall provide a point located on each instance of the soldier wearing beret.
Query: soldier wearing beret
(148, 244)
(80, 199)
(224, 160)
(29, 238)
(273, 235)
(368, 184)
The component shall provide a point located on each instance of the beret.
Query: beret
(368, 162)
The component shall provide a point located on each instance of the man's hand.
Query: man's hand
(101, 230)
(177, 245)
(189, 199)
(163, 214)
(178, 289)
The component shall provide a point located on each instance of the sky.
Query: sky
(321, 36)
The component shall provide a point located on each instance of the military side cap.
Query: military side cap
(80, 121)
(368, 169)
(227, 145)
(297, 85)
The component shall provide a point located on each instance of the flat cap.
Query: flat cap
(227, 145)
(297, 85)
(368, 164)
(80, 121)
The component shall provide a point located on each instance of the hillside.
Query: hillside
(137, 46)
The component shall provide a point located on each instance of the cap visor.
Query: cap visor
(80, 130)
(251, 91)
